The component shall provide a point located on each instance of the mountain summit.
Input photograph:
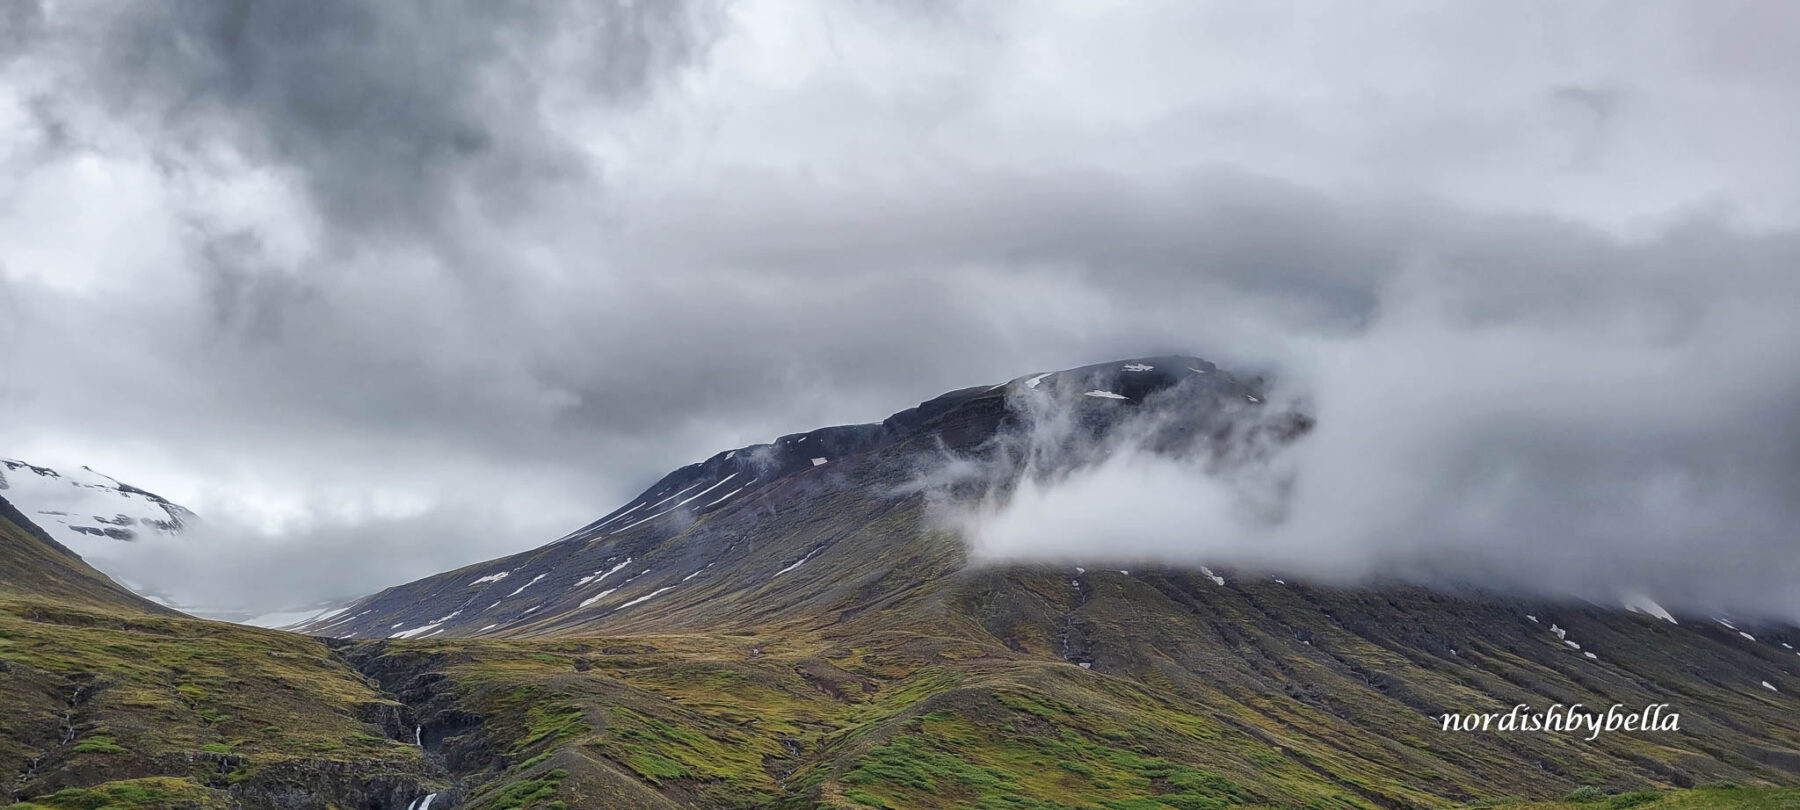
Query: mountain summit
(731, 535)
(86, 510)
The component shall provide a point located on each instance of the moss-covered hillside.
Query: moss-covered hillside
(109, 701)
(941, 714)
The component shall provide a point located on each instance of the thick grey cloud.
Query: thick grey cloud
(1529, 409)
(393, 114)
(441, 282)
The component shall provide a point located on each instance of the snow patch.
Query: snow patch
(1217, 580)
(684, 502)
(1643, 604)
(415, 632)
(819, 461)
(1099, 394)
(642, 522)
(646, 597)
(727, 496)
(1138, 367)
(328, 614)
(797, 563)
(598, 576)
(492, 578)
(703, 492)
(597, 597)
(684, 491)
(522, 588)
(281, 619)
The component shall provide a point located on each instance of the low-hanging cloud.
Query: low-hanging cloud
(1600, 424)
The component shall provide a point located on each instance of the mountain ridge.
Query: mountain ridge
(86, 509)
(958, 421)
(31, 560)
(818, 640)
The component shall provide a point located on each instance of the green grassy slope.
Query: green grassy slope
(1295, 695)
(32, 562)
(108, 701)
(936, 712)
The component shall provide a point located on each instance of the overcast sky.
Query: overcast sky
(388, 288)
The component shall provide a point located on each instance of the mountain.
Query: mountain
(794, 625)
(108, 700)
(91, 514)
(85, 510)
(730, 535)
(31, 561)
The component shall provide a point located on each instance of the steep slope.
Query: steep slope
(86, 510)
(109, 700)
(711, 539)
(33, 562)
(760, 630)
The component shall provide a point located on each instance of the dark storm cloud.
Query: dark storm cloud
(393, 112)
(440, 282)
(19, 24)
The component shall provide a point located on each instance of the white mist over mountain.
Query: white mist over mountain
(87, 511)
(1619, 430)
